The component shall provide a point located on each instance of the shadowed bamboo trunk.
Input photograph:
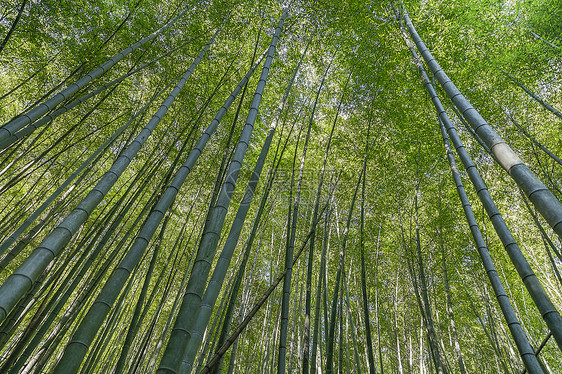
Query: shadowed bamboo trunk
(13, 27)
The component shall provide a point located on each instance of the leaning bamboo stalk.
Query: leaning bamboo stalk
(134, 324)
(96, 49)
(175, 349)
(13, 27)
(101, 307)
(547, 309)
(515, 328)
(533, 139)
(365, 303)
(449, 303)
(79, 271)
(13, 237)
(34, 114)
(545, 105)
(212, 291)
(248, 245)
(48, 118)
(543, 199)
(347, 311)
(25, 276)
(316, 336)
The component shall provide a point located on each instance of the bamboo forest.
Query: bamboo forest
(281, 186)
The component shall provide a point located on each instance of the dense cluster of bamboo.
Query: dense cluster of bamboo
(111, 261)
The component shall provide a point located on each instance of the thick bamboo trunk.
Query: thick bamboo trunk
(547, 309)
(175, 349)
(545, 202)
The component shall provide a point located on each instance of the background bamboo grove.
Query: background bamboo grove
(277, 187)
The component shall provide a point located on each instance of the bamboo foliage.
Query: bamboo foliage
(9, 129)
